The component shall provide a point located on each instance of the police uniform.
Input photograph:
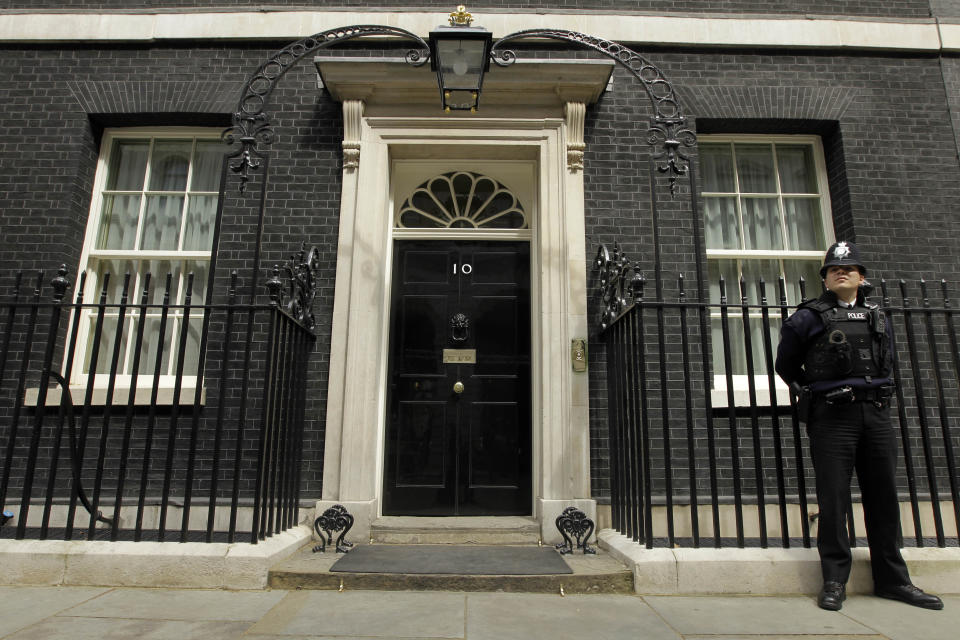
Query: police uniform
(839, 357)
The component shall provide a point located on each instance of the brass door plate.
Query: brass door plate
(459, 356)
(578, 354)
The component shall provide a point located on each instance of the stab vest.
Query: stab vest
(853, 344)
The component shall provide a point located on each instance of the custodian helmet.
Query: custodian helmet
(842, 254)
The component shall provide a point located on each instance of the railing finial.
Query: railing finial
(274, 285)
(60, 283)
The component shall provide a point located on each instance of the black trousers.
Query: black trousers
(843, 438)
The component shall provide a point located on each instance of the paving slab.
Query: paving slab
(498, 616)
(783, 637)
(21, 607)
(87, 613)
(179, 604)
(124, 629)
(257, 636)
(752, 615)
(369, 614)
(899, 621)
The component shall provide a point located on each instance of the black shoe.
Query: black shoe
(832, 596)
(911, 595)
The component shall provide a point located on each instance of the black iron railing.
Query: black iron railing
(150, 414)
(705, 445)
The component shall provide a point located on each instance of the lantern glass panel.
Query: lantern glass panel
(461, 63)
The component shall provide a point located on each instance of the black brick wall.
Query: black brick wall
(880, 8)
(890, 150)
(885, 120)
(59, 101)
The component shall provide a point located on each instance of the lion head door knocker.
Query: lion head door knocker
(460, 327)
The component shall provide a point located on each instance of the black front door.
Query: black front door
(458, 413)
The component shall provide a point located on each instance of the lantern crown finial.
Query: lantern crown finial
(460, 17)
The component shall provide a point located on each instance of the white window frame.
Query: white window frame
(91, 293)
(740, 381)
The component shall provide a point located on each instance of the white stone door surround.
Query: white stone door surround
(550, 149)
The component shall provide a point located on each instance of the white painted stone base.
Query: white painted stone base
(363, 514)
(146, 564)
(150, 517)
(550, 510)
(765, 571)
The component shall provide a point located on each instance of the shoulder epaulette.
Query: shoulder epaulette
(815, 304)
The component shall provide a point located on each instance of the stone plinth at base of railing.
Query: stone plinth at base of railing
(147, 564)
(757, 571)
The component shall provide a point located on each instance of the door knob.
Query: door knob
(458, 387)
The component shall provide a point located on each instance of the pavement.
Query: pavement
(104, 613)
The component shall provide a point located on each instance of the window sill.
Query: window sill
(121, 396)
(741, 397)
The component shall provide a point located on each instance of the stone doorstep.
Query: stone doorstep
(601, 573)
(146, 564)
(513, 530)
(765, 571)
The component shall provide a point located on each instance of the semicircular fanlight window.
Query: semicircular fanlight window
(461, 200)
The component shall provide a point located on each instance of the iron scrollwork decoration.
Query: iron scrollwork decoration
(574, 522)
(620, 284)
(251, 125)
(668, 129)
(336, 518)
(75, 449)
(296, 292)
(459, 327)
(61, 283)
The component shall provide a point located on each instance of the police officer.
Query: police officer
(836, 352)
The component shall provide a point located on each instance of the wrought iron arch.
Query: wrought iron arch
(668, 131)
(668, 128)
(621, 284)
(251, 125)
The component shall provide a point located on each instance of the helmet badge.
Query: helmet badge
(841, 251)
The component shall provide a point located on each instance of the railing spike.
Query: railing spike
(103, 291)
(885, 291)
(189, 295)
(38, 287)
(124, 292)
(81, 286)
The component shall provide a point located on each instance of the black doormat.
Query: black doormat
(449, 559)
